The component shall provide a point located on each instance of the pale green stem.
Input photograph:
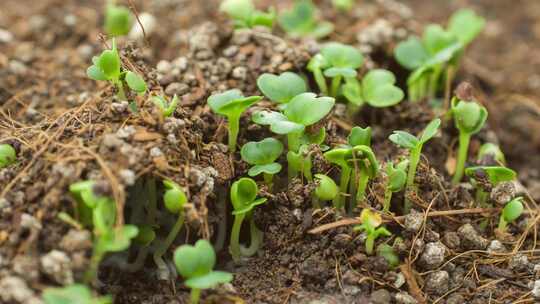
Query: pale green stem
(120, 87)
(163, 246)
(293, 141)
(481, 197)
(97, 256)
(411, 174)
(502, 223)
(234, 128)
(387, 199)
(256, 239)
(370, 243)
(234, 247)
(195, 296)
(321, 81)
(336, 82)
(464, 139)
(268, 180)
(361, 193)
(339, 201)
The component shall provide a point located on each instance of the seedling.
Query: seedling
(165, 107)
(8, 155)
(338, 62)
(232, 104)
(107, 238)
(366, 167)
(370, 221)
(439, 51)
(343, 5)
(282, 88)
(494, 174)
(414, 145)
(73, 294)
(326, 190)
(397, 177)
(510, 212)
(377, 89)
(490, 153)
(302, 111)
(245, 15)
(108, 67)
(263, 155)
(387, 252)
(118, 19)
(244, 199)
(301, 21)
(469, 118)
(174, 199)
(196, 264)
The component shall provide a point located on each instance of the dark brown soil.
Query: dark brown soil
(68, 128)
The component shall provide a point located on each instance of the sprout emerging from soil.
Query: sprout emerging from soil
(343, 5)
(370, 221)
(282, 88)
(108, 67)
(8, 155)
(245, 15)
(494, 174)
(438, 52)
(301, 21)
(174, 199)
(196, 265)
(302, 111)
(165, 107)
(118, 19)
(510, 213)
(107, 238)
(387, 252)
(491, 153)
(338, 62)
(73, 294)
(232, 104)
(414, 145)
(377, 89)
(397, 177)
(469, 118)
(366, 167)
(244, 199)
(263, 155)
(326, 190)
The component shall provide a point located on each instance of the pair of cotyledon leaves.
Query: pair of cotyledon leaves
(495, 174)
(411, 142)
(245, 15)
(262, 155)
(301, 21)
(73, 294)
(469, 116)
(244, 196)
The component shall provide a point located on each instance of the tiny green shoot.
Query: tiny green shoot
(232, 104)
(387, 252)
(73, 294)
(118, 19)
(8, 155)
(366, 167)
(282, 88)
(377, 89)
(174, 199)
(245, 15)
(262, 155)
(469, 118)
(326, 189)
(510, 213)
(301, 21)
(165, 107)
(397, 177)
(343, 5)
(491, 154)
(196, 265)
(244, 199)
(414, 145)
(370, 224)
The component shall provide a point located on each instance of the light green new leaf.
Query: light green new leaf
(272, 168)
(135, 82)
(430, 130)
(307, 109)
(466, 25)
(342, 56)
(411, 53)
(278, 122)
(404, 139)
(262, 152)
(281, 88)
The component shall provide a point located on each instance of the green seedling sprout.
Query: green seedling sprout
(510, 213)
(165, 107)
(8, 155)
(196, 265)
(343, 5)
(414, 145)
(469, 118)
(301, 21)
(387, 252)
(107, 238)
(338, 62)
(262, 155)
(282, 88)
(490, 153)
(245, 15)
(326, 190)
(73, 294)
(438, 52)
(377, 89)
(370, 224)
(118, 19)
(397, 178)
(108, 67)
(494, 174)
(366, 167)
(244, 199)
(232, 104)
(302, 111)
(174, 198)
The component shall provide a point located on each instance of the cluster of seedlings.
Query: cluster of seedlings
(297, 118)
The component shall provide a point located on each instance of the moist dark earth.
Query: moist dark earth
(66, 128)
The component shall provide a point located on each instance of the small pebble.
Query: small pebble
(471, 239)
(5, 36)
(403, 297)
(177, 88)
(148, 22)
(57, 266)
(414, 221)
(437, 282)
(433, 255)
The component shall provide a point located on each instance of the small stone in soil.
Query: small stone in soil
(57, 266)
(503, 193)
(413, 221)
(381, 296)
(76, 240)
(404, 298)
(496, 247)
(471, 239)
(437, 282)
(433, 255)
(451, 239)
(519, 263)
